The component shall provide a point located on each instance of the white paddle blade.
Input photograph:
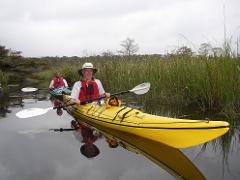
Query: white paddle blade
(141, 88)
(31, 112)
(29, 89)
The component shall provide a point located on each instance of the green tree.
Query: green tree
(184, 51)
(15, 54)
(108, 53)
(205, 49)
(3, 51)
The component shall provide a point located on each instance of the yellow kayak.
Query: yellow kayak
(177, 133)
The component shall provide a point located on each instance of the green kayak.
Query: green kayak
(57, 93)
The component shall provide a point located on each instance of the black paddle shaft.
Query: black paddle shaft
(94, 99)
(63, 129)
(119, 93)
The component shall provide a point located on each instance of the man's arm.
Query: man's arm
(51, 84)
(65, 83)
(101, 89)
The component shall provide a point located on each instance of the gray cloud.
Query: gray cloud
(41, 28)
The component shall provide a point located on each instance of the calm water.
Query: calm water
(29, 151)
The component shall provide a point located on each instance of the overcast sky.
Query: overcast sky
(75, 27)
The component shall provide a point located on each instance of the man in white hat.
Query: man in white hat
(88, 87)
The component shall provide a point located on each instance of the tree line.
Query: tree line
(129, 47)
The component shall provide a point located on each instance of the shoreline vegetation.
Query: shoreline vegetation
(4, 78)
(208, 83)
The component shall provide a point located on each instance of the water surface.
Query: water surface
(29, 151)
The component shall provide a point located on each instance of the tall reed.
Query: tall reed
(210, 84)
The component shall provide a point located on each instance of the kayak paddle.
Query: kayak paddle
(32, 89)
(31, 112)
(139, 89)
(39, 131)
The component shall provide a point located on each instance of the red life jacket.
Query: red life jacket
(87, 134)
(89, 90)
(58, 82)
(57, 104)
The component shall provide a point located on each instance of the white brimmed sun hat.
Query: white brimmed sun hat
(87, 66)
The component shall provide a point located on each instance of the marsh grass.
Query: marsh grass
(43, 77)
(182, 87)
(208, 84)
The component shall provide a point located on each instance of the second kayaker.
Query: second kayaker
(58, 81)
(88, 87)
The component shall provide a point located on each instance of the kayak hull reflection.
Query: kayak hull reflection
(170, 159)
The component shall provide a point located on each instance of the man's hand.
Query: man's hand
(78, 102)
